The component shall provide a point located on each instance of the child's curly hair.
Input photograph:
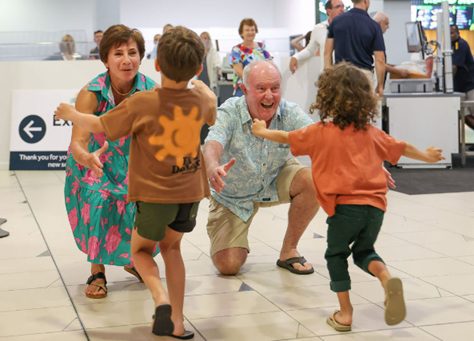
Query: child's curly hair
(346, 96)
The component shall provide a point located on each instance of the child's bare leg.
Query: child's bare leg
(344, 316)
(175, 276)
(379, 270)
(142, 254)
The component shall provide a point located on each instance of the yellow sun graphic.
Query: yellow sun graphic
(180, 137)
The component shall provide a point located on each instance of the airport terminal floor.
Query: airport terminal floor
(427, 240)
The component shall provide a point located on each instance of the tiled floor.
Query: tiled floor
(427, 240)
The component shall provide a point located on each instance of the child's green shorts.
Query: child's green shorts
(152, 219)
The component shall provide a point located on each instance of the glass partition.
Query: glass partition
(40, 45)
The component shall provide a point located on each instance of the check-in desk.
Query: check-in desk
(424, 120)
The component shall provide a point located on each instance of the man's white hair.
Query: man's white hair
(248, 69)
(379, 17)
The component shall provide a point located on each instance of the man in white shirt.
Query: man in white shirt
(318, 36)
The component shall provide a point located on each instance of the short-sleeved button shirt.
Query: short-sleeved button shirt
(356, 37)
(258, 161)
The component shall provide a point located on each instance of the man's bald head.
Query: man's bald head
(262, 82)
(382, 19)
(258, 66)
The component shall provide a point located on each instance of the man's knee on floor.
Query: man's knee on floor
(229, 268)
(229, 262)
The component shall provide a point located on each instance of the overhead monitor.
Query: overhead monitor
(460, 13)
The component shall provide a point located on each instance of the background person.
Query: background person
(212, 63)
(156, 40)
(67, 50)
(94, 53)
(210, 72)
(96, 169)
(296, 42)
(356, 38)
(245, 52)
(318, 36)
(384, 22)
(152, 54)
(166, 28)
(463, 67)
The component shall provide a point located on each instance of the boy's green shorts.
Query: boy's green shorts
(152, 219)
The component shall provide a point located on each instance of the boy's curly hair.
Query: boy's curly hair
(346, 96)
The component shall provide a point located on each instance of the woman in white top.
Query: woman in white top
(211, 70)
(212, 62)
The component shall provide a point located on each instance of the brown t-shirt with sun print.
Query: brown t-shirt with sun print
(166, 164)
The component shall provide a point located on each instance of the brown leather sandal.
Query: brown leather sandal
(102, 287)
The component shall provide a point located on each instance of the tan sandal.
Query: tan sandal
(102, 286)
(395, 310)
(339, 327)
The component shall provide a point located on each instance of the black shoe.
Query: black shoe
(469, 119)
(162, 324)
(188, 335)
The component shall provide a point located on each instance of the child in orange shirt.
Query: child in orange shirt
(347, 154)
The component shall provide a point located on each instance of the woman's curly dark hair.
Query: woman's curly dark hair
(346, 96)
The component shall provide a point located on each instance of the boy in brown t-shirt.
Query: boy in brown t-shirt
(167, 177)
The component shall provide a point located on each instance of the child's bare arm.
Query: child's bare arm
(86, 102)
(90, 123)
(430, 155)
(259, 128)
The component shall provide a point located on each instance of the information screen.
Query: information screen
(461, 15)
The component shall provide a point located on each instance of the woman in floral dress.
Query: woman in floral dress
(96, 169)
(246, 52)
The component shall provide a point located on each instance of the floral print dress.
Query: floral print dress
(99, 214)
(246, 55)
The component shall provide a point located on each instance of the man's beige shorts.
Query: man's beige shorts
(226, 230)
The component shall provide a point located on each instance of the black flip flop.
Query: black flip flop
(186, 336)
(288, 265)
(162, 325)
